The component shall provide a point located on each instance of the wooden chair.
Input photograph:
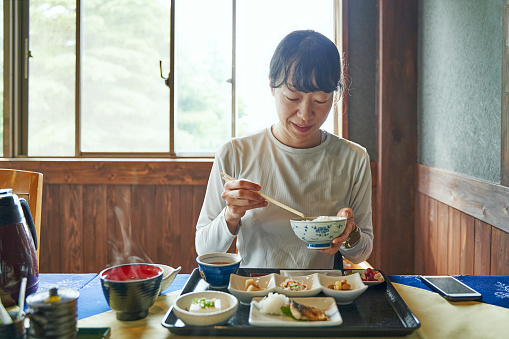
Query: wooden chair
(27, 185)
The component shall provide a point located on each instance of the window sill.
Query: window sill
(116, 171)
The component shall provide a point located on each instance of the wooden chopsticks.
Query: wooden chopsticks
(226, 177)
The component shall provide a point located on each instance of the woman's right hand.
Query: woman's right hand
(240, 196)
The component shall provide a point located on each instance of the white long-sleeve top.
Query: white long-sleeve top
(315, 181)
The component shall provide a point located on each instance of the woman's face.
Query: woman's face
(300, 116)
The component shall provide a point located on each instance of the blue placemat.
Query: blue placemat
(74, 281)
(494, 289)
(91, 300)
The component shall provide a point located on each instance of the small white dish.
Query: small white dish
(311, 281)
(343, 297)
(257, 318)
(182, 304)
(363, 276)
(237, 287)
(291, 273)
(169, 274)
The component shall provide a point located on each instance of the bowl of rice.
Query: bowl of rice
(318, 232)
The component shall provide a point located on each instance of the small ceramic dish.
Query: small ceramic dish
(343, 297)
(363, 277)
(237, 287)
(169, 274)
(311, 281)
(229, 305)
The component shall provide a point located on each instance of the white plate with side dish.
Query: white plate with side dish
(257, 318)
(377, 277)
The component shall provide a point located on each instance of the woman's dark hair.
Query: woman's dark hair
(308, 62)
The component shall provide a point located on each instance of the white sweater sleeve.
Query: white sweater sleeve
(361, 206)
(212, 234)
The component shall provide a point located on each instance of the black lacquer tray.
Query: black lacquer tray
(380, 311)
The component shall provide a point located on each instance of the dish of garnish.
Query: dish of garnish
(299, 286)
(245, 288)
(293, 285)
(279, 310)
(343, 289)
(369, 276)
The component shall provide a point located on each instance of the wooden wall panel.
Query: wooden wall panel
(419, 233)
(499, 252)
(467, 251)
(482, 248)
(465, 242)
(425, 235)
(166, 200)
(434, 255)
(462, 244)
(483, 200)
(51, 231)
(120, 232)
(454, 248)
(95, 230)
(71, 221)
(117, 172)
(145, 219)
(442, 238)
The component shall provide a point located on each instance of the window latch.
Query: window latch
(166, 80)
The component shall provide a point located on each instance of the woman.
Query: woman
(294, 162)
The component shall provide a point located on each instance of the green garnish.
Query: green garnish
(204, 303)
(286, 311)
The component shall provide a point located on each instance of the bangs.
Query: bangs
(311, 77)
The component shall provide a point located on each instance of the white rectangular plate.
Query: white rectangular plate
(256, 318)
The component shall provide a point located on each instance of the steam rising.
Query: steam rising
(125, 250)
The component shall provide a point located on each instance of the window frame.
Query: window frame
(16, 71)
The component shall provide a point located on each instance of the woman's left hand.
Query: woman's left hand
(350, 227)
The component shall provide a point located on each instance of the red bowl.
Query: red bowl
(131, 289)
(131, 272)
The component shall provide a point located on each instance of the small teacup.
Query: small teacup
(131, 289)
(215, 268)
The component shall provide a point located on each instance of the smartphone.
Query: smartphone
(451, 288)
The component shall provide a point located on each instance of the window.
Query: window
(1, 84)
(95, 89)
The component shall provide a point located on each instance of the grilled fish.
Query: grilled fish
(303, 312)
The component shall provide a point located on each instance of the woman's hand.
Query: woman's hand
(350, 227)
(240, 196)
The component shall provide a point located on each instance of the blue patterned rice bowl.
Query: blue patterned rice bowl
(318, 234)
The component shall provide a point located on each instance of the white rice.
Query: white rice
(272, 303)
(323, 218)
